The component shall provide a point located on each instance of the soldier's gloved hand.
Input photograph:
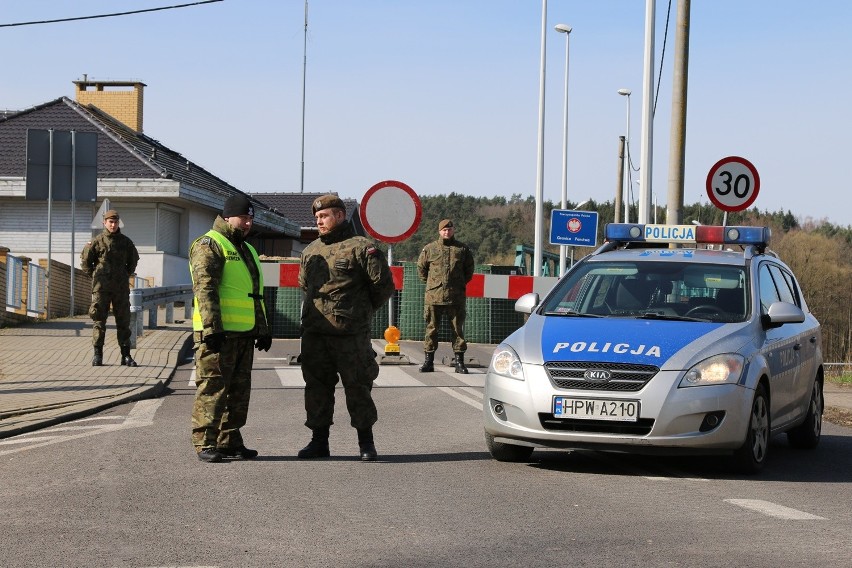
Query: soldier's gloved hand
(215, 341)
(263, 343)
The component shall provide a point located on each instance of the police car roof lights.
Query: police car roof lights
(704, 234)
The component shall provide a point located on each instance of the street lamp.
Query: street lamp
(562, 28)
(626, 93)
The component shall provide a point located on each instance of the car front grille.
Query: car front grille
(623, 377)
(639, 428)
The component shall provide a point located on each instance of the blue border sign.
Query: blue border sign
(574, 228)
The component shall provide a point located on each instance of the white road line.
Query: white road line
(192, 379)
(142, 414)
(474, 403)
(290, 377)
(774, 510)
(475, 392)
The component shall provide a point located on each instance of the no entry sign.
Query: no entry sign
(391, 211)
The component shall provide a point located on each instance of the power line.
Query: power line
(109, 15)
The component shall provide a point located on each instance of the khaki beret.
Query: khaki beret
(327, 201)
(445, 223)
(111, 214)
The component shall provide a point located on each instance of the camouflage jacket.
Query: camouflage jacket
(110, 259)
(446, 267)
(206, 262)
(345, 279)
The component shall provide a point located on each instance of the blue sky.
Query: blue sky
(443, 94)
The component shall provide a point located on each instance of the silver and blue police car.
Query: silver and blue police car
(708, 348)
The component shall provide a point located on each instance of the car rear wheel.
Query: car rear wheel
(806, 435)
(507, 452)
(751, 456)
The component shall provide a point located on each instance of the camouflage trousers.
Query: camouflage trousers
(99, 310)
(352, 359)
(223, 388)
(456, 314)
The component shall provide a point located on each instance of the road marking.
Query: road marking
(192, 379)
(141, 414)
(474, 403)
(774, 510)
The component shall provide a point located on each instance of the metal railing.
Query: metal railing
(150, 299)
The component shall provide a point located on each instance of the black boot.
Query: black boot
(429, 364)
(126, 359)
(98, 357)
(317, 447)
(366, 445)
(460, 368)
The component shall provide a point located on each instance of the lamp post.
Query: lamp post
(562, 28)
(539, 182)
(626, 93)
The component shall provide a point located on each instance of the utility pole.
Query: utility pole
(645, 170)
(619, 188)
(677, 146)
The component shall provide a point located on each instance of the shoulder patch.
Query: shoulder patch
(204, 241)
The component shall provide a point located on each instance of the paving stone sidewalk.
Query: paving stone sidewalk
(46, 373)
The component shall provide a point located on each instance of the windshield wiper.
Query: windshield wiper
(659, 316)
(572, 313)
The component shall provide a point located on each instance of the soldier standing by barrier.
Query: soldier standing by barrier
(446, 266)
(110, 259)
(345, 278)
(228, 322)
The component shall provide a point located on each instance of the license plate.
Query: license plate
(595, 409)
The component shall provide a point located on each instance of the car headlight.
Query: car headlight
(716, 370)
(506, 362)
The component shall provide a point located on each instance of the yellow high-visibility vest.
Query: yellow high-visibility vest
(236, 289)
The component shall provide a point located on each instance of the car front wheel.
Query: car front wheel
(507, 452)
(751, 456)
(806, 435)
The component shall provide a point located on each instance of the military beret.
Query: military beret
(111, 214)
(237, 205)
(327, 201)
(445, 223)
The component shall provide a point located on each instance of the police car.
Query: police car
(705, 347)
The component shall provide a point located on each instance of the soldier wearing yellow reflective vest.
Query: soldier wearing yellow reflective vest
(229, 322)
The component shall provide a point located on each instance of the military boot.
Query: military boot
(98, 357)
(429, 364)
(366, 445)
(126, 359)
(460, 368)
(317, 447)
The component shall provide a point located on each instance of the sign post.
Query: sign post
(391, 212)
(732, 184)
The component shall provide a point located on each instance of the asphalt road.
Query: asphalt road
(123, 488)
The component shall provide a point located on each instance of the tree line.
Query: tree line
(819, 252)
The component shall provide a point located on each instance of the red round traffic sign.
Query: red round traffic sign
(733, 184)
(391, 211)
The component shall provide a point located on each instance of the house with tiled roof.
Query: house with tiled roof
(297, 208)
(165, 200)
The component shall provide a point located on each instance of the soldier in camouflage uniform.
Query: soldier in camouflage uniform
(229, 322)
(446, 266)
(110, 259)
(345, 278)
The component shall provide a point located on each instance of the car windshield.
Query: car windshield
(655, 290)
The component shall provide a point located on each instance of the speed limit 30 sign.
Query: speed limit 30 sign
(733, 184)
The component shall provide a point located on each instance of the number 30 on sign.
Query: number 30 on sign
(733, 184)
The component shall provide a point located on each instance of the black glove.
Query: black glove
(215, 341)
(263, 343)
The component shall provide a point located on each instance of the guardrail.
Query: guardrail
(150, 299)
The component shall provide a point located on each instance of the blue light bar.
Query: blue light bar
(707, 234)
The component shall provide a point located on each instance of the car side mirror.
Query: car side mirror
(780, 313)
(527, 303)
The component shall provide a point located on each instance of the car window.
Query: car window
(782, 284)
(649, 288)
(768, 291)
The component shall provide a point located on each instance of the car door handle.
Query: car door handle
(813, 339)
(797, 346)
